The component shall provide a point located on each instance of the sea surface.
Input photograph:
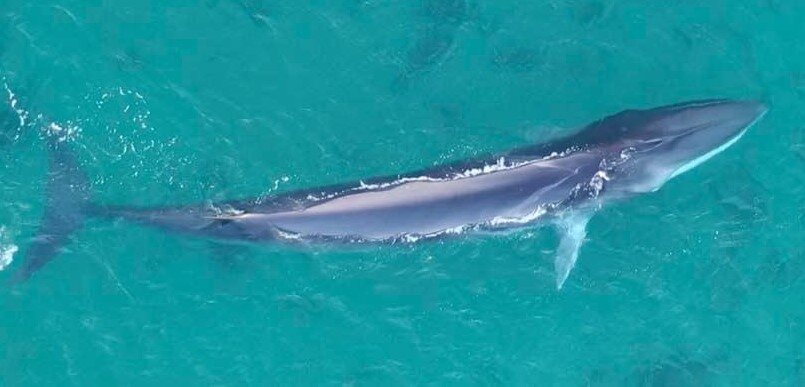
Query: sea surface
(178, 102)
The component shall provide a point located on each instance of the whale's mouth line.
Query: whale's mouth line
(708, 155)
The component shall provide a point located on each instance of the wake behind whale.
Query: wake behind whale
(560, 183)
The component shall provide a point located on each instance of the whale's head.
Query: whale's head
(650, 147)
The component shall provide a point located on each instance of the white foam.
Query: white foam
(277, 182)
(413, 238)
(499, 165)
(288, 235)
(7, 255)
(22, 114)
(7, 249)
(596, 183)
(528, 218)
(63, 132)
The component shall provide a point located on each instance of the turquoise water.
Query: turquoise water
(700, 283)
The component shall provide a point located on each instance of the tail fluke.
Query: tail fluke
(66, 205)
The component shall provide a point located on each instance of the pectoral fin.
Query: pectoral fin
(572, 230)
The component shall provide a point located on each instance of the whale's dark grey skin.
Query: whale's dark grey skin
(561, 183)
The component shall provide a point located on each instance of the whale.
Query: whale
(561, 183)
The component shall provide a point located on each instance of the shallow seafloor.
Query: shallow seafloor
(700, 283)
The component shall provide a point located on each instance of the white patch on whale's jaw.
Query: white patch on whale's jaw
(699, 160)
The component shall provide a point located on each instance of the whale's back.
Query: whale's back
(425, 207)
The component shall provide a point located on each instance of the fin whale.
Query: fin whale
(560, 183)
